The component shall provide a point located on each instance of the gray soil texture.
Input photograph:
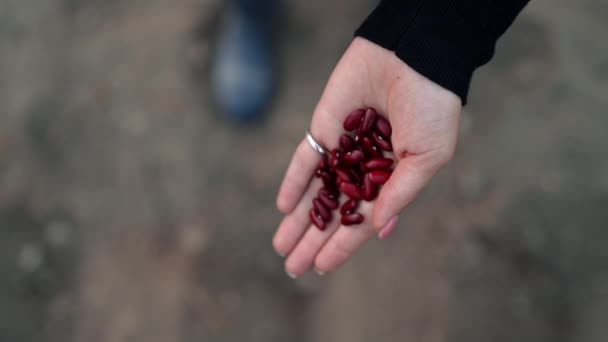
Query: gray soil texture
(131, 211)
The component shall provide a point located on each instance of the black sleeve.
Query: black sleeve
(443, 40)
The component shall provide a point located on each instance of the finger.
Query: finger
(345, 242)
(297, 177)
(301, 259)
(295, 223)
(411, 174)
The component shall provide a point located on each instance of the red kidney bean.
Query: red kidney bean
(316, 219)
(378, 163)
(321, 210)
(370, 148)
(351, 190)
(368, 121)
(343, 174)
(347, 143)
(333, 161)
(351, 219)
(322, 164)
(329, 180)
(355, 176)
(353, 157)
(381, 142)
(349, 206)
(329, 193)
(352, 120)
(379, 176)
(383, 127)
(330, 203)
(370, 190)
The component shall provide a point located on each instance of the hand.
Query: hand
(425, 119)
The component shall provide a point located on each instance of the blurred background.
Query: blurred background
(132, 209)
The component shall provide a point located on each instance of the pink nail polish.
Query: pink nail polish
(388, 228)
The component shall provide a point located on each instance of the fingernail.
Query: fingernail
(320, 273)
(281, 254)
(388, 228)
(291, 275)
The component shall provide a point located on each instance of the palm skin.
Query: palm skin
(425, 119)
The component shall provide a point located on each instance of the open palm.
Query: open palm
(425, 119)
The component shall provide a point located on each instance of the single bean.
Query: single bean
(343, 174)
(321, 209)
(351, 190)
(330, 203)
(355, 176)
(329, 180)
(370, 148)
(367, 123)
(322, 164)
(379, 176)
(352, 120)
(353, 157)
(316, 219)
(328, 192)
(349, 206)
(381, 142)
(378, 163)
(351, 219)
(347, 143)
(370, 190)
(383, 127)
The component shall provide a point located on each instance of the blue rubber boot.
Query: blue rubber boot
(243, 75)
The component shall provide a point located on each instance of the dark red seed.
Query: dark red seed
(381, 142)
(351, 190)
(349, 206)
(333, 161)
(370, 190)
(383, 127)
(329, 203)
(347, 143)
(353, 157)
(329, 193)
(343, 174)
(335, 153)
(367, 123)
(379, 176)
(323, 164)
(351, 219)
(316, 219)
(321, 210)
(352, 120)
(329, 180)
(318, 173)
(378, 163)
(334, 158)
(355, 176)
(370, 148)
(357, 138)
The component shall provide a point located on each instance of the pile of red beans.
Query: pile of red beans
(357, 168)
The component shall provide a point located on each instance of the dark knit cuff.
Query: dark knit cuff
(444, 41)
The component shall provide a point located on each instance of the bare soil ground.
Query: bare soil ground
(130, 211)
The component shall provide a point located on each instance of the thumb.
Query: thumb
(409, 177)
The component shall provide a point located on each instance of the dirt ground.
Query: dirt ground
(130, 211)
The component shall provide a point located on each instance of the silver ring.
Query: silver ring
(315, 145)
